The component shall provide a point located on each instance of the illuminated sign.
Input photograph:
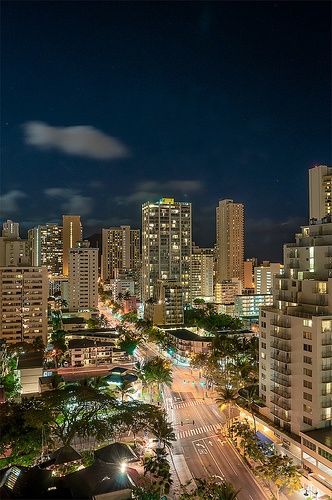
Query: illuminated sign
(169, 201)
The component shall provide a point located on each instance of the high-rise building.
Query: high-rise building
(11, 230)
(46, 247)
(13, 250)
(72, 232)
(295, 355)
(230, 240)
(83, 276)
(120, 251)
(226, 291)
(23, 303)
(248, 272)
(166, 245)
(320, 192)
(264, 275)
(167, 308)
(202, 273)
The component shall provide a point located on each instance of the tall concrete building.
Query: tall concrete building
(226, 291)
(230, 240)
(320, 192)
(248, 272)
(167, 308)
(72, 232)
(202, 273)
(166, 245)
(264, 275)
(13, 250)
(45, 243)
(120, 251)
(11, 230)
(295, 355)
(23, 303)
(83, 277)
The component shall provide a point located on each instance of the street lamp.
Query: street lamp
(123, 467)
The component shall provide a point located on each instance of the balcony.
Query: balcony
(280, 414)
(327, 377)
(278, 401)
(281, 322)
(278, 379)
(281, 369)
(327, 403)
(280, 392)
(280, 333)
(326, 353)
(281, 346)
(327, 340)
(281, 356)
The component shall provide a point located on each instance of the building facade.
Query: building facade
(166, 245)
(247, 306)
(296, 346)
(46, 247)
(23, 303)
(71, 233)
(230, 240)
(167, 306)
(83, 277)
(264, 275)
(11, 230)
(226, 291)
(320, 192)
(202, 273)
(120, 251)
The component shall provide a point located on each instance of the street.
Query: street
(198, 423)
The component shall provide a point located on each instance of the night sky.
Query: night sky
(200, 101)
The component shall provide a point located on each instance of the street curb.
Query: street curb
(236, 451)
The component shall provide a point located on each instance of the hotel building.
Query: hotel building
(230, 240)
(72, 232)
(83, 277)
(46, 247)
(23, 303)
(166, 245)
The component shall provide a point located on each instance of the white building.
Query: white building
(320, 192)
(83, 277)
(247, 306)
(296, 349)
(23, 303)
(166, 245)
(263, 276)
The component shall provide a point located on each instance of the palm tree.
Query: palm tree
(127, 295)
(125, 390)
(227, 397)
(250, 401)
(163, 430)
(158, 466)
(154, 372)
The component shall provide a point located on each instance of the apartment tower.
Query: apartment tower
(120, 251)
(320, 192)
(166, 245)
(295, 355)
(83, 277)
(72, 232)
(230, 240)
(202, 273)
(45, 244)
(23, 303)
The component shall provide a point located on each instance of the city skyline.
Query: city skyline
(179, 111)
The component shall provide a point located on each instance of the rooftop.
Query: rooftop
(184, 334)
(323, 436)
(84, 343)
(30, 360)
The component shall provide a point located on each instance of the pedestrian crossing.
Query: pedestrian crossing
(185, 404)
(182, 434)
